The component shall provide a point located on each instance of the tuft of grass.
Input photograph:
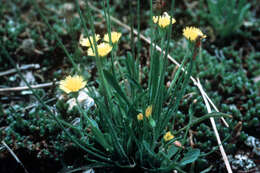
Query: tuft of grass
(227, 17)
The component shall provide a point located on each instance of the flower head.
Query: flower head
(86, 42)
(193, 33)
(148, 111)
(163, 20)
(168, 136)
(103, 49)
(140, 117)
(72, 84)
(115, 36)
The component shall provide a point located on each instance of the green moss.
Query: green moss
(226, 82)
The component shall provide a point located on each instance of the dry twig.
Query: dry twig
(223, 153)
(14, 155)
(23, 67)
(43, 85)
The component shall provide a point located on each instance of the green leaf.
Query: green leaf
(152, 122)
(172, 151)
(199, 120)
(130, 64)
(243, 13)
(154, 75)
(147, 146)
(133, 82)
(190, 157)
(207, 170)
(98, 135)
(112, 81)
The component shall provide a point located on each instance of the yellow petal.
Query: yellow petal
(72, 84)
(163, 20)
(115, 36)
(192, 33)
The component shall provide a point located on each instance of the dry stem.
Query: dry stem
(223, 153)
(44, 85)
(23, 67)
(14, 155)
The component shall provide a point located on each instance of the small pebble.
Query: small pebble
(241, 162)
(254, 143)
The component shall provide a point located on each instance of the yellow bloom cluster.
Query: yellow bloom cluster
(140, 116)
(115, 36)
(168, 136)
(163, 20)
(192, 33)
(148, 111)
(102, 50)
(72, 84)
(85, 41)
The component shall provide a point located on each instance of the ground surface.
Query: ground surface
(29, 41)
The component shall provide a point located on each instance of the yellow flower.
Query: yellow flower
(163, 20)
(72, 84)
(140, 116)
(115, 36)
(148, 111)
(168, 136)
(85, 41)
(103, 49)
(193, 33)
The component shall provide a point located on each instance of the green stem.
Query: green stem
(138, 31)
(152, 50)
(98, 134)
(92, 45)
(198, 120)
(107, 18)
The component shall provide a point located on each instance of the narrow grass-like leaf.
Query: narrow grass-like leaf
(96, 131)
(112, 81)
(207, 116)
(190, 157)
